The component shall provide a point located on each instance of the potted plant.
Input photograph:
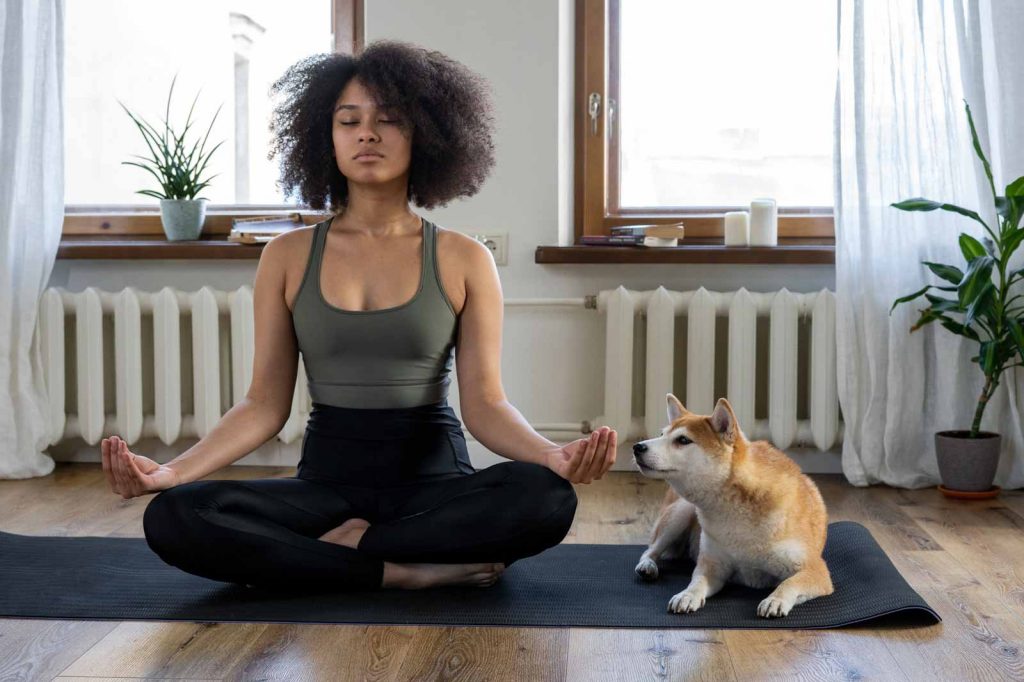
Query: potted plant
(989, 314)
(181, 213)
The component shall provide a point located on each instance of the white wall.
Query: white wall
(552, 362)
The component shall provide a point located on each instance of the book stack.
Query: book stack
(637, 235)
(262, 229)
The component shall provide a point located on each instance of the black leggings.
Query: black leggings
(405, 470)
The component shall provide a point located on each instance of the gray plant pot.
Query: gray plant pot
(967, 464)
(183, 218)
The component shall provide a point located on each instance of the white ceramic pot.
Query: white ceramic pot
(183, 218)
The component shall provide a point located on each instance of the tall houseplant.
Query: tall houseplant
(181, 213)
(987, 312)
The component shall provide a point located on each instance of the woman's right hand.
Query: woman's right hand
(131, 475)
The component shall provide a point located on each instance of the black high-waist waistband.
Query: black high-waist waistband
(382, 423)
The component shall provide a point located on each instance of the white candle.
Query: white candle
(737, 228)
(764, 223)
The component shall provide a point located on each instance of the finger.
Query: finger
(599, 454)
(115, 467)
(586, 454)
(105, 459)
(122, 475)
(137, 473)
(609, 455)
(130, 479)
(587, 468)
(105, 453)
(577, 459)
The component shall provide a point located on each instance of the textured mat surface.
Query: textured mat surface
(97, 578)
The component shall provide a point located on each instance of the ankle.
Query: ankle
(395, 575)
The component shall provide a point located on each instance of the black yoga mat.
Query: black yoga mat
(98, 578)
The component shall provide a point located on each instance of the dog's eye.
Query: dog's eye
(683, 440)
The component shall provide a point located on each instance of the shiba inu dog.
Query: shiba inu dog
(743, 511)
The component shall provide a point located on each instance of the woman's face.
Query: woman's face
(358, 128)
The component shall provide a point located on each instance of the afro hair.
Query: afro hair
(445, 105)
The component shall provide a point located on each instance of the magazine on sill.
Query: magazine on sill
(671, 231)
(262, 229)
(626, 240)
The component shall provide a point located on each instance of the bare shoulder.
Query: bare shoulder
(465, 265)
(460, 248)
(285, 255)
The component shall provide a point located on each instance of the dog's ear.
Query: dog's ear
(723, 421)
(675, 408)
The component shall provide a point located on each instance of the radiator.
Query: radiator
(221, 363)
(784, 309)
(213, 383)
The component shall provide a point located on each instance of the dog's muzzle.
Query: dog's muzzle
(639, 449)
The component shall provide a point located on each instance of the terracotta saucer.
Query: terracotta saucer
(965, 495)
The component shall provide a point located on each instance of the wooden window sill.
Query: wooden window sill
(153, 246)
(790, 251)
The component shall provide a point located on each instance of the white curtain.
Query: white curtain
(905, 69)
(31, 216)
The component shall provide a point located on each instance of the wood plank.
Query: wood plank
(644, 654)
(350, 652)
(491, 653)
(168, 649)
(985, 537)
(979, 638)
(810, 655)
(40, 649)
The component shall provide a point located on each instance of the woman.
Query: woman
(376, 298)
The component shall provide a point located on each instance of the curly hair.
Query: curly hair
(446, 106)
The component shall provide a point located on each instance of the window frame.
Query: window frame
(596, 176)
(347, 25)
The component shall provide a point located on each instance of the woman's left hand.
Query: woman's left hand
(586, 459)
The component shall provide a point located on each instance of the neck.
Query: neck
(378, 210)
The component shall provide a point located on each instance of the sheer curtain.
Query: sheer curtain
(905, 69)
(31, 216)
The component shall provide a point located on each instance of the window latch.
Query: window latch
(594, 109)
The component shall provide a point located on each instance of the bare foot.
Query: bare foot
(417, 576)
(347, 534)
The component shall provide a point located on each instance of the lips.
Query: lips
(366, 154)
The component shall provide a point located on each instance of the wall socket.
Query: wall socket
(498, 245)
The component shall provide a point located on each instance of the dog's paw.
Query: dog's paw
(685, 602)
(647, 569)
(774, 607)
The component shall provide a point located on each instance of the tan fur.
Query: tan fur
(742, 510)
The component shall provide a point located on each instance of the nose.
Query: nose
(368, 131)
(639, 449)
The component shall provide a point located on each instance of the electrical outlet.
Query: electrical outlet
(498, 244)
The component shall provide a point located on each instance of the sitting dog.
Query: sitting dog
(743, 511)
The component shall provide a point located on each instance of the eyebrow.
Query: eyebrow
(356, 106)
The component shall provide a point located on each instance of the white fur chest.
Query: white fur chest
(749, 545)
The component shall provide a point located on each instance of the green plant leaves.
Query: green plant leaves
(984, 303)
(908, 297)
(1016, 188)
(979, 273)
(1017, 334)
(970, 247)
(922, 204)
(177, 172)
(946, 272)
(977, 148)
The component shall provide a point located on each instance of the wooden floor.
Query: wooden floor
(966, 559)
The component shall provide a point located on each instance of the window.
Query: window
(224, 55)
(686, 109)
